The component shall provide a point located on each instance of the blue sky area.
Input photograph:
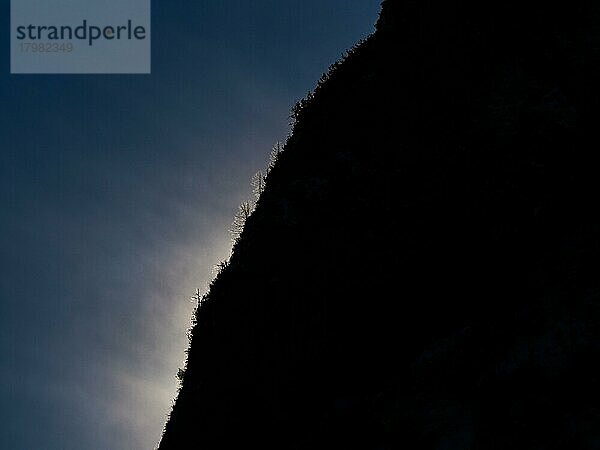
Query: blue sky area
(117, 194)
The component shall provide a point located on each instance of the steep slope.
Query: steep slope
(422, 268)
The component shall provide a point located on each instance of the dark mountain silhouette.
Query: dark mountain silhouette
(422, 268)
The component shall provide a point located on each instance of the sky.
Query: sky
(117, 193)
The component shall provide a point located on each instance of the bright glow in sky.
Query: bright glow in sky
(117, 194)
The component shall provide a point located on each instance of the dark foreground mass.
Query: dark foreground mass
(422, 270)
